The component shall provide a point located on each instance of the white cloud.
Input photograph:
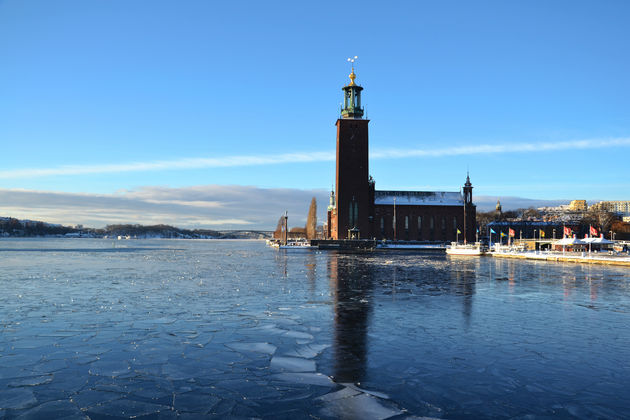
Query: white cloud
(500, 148)
(210, 206)
(306, 157)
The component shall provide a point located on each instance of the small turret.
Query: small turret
(468, 191)
(331, 205)
(498, 207)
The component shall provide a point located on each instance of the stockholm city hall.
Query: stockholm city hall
(358, 211)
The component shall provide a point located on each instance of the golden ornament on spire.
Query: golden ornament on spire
(352, 76)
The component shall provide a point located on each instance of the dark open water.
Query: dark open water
(234, 329)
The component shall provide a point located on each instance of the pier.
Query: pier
(573, 257)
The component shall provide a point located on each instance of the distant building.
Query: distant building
(620, 207)
(578, 205)
(358, 211)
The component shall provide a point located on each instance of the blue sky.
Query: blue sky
(113, 98)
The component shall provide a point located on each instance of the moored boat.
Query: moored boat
(456, 248)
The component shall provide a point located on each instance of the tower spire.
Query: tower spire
(352, 96)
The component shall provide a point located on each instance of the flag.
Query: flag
(503, 234)
(492, 231)
(512, 233)
(458, 231)
(567, 231)
(593, 231)
(542, 233)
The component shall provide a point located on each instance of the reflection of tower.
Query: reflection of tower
(465, 280)
(352, 189)
(351, 285)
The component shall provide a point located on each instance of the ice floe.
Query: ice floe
(265, 348)
(292, 364)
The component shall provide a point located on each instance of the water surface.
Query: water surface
(192, 329)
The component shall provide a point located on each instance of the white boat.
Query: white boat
(456, 248)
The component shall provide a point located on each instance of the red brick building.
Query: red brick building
(357, 210)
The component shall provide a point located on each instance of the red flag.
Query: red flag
(567, 231)
(593, 231)
(512, 233)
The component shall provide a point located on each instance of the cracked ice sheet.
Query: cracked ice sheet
(16, 398)
(32, 381)
(107, 368)
(292, 364)
(265, 348)
(127, 408)
(318, 379)
(54, 410)
(308, 351)
(358, 406)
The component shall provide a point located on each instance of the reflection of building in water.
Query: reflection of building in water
(351, 284)
(311, 267)
(465, 281)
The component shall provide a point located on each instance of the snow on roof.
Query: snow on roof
(419, 198)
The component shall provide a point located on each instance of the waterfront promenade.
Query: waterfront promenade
(559, 256)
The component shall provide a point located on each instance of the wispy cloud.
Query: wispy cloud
(208, 206)
(306, 157)
(186, 163)
(481, 149)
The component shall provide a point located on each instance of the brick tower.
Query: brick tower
(351, 218)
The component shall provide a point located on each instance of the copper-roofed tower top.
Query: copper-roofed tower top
(352, 96)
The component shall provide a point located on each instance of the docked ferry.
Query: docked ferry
(456, 248)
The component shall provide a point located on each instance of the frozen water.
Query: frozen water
(109, 368)
(253, 347)
(65, 410)
(361, 406)
(185, 329)
(127, 408)
(33, 381)
(16, 398)
(305, 378)
(292, 364)
(308, 351)
(299, 334)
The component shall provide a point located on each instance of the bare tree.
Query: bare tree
(600, 218)
(311, 220)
